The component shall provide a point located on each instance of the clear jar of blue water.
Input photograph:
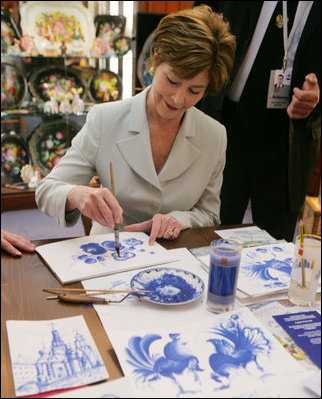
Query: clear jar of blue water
(225, 258)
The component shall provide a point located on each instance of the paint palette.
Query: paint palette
(168, 286)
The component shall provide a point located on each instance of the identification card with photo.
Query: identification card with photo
(279, 88)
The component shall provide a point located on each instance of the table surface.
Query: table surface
(22, 298)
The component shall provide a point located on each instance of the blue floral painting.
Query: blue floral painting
(93, 256)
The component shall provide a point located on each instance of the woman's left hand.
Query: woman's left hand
(161, 226)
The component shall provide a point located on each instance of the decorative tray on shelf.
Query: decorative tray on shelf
(49, 142)
(13, 86)
(14, 155)
(105, 86)
(52, 22)
(57, 80)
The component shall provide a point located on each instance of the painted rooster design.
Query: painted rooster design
(175, 362)
(237, 348)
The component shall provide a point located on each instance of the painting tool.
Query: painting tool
(55, 290)
(116, 227)
(77, 297)
(301, 227)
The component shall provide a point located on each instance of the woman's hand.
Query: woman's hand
(304, 100)
(11, 241)
(98, 204)
(160, 225)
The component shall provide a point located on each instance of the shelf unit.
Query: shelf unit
(30, 113)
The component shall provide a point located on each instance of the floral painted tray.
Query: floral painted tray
(57, 21)
(169, 286)
(50, 141)
(13, 86)
(56, 79)
(109, 28)
(14, 155)
(105, 86)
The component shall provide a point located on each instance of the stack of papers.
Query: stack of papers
(264, 273)
(248, 236)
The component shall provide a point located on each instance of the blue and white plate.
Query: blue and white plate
(168, 286)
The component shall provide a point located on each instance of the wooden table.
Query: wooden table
(22, 280)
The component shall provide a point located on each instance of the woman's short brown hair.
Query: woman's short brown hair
(192, 41)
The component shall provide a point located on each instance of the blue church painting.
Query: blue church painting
(175, 360)
(59, 365)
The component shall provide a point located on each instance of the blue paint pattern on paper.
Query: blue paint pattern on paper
(175, 360)
(274, 272)
(236, 347)
(59, 365)
(99, 252)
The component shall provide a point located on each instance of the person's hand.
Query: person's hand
(98, 204)
(11, 241)
(160, 225)
(304, 100)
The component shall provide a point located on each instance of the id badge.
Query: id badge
(279, 88)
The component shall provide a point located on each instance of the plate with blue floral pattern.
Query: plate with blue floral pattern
(168, 286)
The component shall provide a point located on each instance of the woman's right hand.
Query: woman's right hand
(99, 204)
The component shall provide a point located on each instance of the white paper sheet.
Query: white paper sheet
(227, 355)
(92, 256)
(120, 388)
(266, 269)
(53, 354)
(137, 313)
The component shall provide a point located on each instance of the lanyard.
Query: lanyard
(300, 18)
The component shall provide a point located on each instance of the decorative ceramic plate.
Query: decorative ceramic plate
(49, 142)
(168, 286)
(54, 79)
(14, 154)
(69, 21)
(109, 28)
(9, 30)
(144, 76)
(105, 86)
(13, 86)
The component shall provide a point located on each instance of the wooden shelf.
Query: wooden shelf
(14, 199)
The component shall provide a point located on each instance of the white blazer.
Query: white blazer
(187, 187)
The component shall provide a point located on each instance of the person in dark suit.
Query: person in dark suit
(271, 153)
(279, 82)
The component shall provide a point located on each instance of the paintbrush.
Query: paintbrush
(301, 227)
(116, 227)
